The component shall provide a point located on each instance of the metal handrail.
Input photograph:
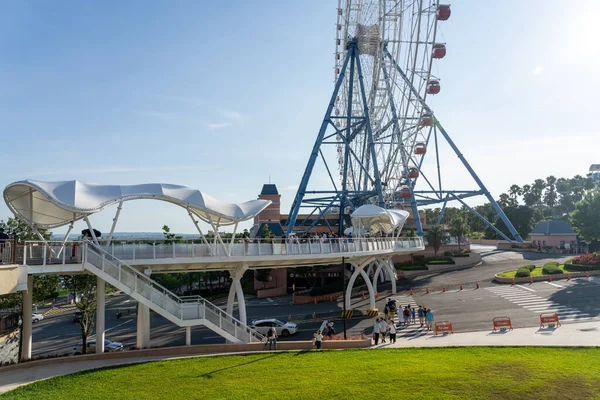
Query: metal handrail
(180, 300)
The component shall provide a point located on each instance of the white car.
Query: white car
(262, 326)
(109, 347)
(36, 317)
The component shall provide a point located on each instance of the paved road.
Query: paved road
(469, 310)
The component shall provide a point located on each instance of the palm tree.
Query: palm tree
(459, 228)
(515, 191)
(435, 235)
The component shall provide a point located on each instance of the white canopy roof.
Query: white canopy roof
(54, 204)
(376, 219)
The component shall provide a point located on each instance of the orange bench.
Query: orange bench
(443, 327)
(502, 323)
(549, 319)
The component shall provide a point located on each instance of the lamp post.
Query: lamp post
(344, 291)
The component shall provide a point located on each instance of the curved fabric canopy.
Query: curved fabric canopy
(54, 204)
(376, 219)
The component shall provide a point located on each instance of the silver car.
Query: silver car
(109, 347)
(262, 326)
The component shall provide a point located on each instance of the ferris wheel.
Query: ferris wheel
(379, 122)
(389, 33)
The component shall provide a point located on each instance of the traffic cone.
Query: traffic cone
(443, 290)
(513, 282)
(426, 291)
(477, 286)
(315, 300)
(569, 277)
(363, 296)
(411, 292)
(550, 278)
(460, 287)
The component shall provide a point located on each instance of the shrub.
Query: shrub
(530, 267)
(551, 270)
(551, 264)
(448, 253)
(581, 268)
(523, 272)
(411, 267)
(439, 260)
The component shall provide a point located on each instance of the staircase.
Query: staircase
(183, 311)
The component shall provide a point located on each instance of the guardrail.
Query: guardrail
(7, 251)
(36, 253)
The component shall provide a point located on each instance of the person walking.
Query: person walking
(392, 331)
(406, 313)
(421, 314)
(376, 331)
(318, 339)
(386, 311)
(272, 337)
(382, 329)
(400, 316)
(429, 318)
(413, 314)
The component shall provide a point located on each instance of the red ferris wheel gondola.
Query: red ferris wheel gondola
(443, 12)
(405, 193)
(420, 148)
(433, 86)
(439, 50)
(413, 173)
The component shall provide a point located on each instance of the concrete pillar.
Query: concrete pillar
(100, 315)
(188, 335)
(241, 301)
(235, 291)
(360, 269)
(392, 270)
(376, 276)
(231, 297)
(143, 327)
(370, 287)
(27, 323)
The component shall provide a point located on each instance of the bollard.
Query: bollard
(443, 290)
(411, 292)
(460, 287)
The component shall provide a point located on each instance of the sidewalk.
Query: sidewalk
(572, 334)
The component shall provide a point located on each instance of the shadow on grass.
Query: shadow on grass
(266, 357)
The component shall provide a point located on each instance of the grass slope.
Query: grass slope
(452, 373)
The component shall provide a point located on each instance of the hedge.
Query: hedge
(530, 267)
(523, 272)
(581, 268)
(551, 264)
(439, 260)
(411, 267)
(552, 270)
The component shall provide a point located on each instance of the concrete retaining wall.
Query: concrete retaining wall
(273, 292)
(490, 242)
(500, 279)
(460, 263)
(305, 299)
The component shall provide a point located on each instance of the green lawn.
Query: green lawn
(452, 373)
(536, 272)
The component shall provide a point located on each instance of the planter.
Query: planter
(543, 278)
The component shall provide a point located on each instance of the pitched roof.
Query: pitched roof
(554, 227)
(274, 227)
(269, 189)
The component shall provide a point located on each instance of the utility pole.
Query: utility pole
(344, 289)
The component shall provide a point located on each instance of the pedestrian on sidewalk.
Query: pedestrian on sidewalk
(386, 311)
(376, 332)
(421, 314)
(429, 317)
(392, 331)
(272, 337)
(318, 339)
(382, 329)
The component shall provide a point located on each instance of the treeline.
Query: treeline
(525, 206)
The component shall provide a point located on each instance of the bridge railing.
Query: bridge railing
(39, 253)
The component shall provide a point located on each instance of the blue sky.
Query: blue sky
(220, 96)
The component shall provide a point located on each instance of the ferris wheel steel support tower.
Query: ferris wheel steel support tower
(379, 121)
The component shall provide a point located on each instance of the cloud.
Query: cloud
(229, 114)
(218, 125)
(537, 70)
(120, 169)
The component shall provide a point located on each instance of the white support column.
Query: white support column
(27, 323)
(235, 291)
(197, 226)
(231, 296)
(232, 239)
(188, 335)
(62, 247)
(87, 221)
(359, 269)
(392, 270)
(376, 275)
(143, 327)
(100, 315)
(241, 300)
(114, 224)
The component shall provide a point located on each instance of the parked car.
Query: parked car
(282, 328)
(77, 315)
(35, 317)
(109, 347)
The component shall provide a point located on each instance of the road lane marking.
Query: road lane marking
(556, 285)
(526, 288)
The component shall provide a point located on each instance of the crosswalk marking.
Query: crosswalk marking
(537, 304)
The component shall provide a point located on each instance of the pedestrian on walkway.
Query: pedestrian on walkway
(406, 316)
(272, 337)
(392, 331)
(318, 339)
(429, 317)
(386, 311)
(400, 316)
(421, 314)
(382, 329)
(376, 332)
(413, 313)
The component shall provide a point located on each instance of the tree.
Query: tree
(550, 196)
(537, 190)
(586, 217)
(504, 200)
(459, 228)
(265, 232)
(85, 286)
(171, 237)
(529, 198)
(20, 231)
(263, 275)
(522, 218)
(434, 236)
(45, 287)
(514, 192)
